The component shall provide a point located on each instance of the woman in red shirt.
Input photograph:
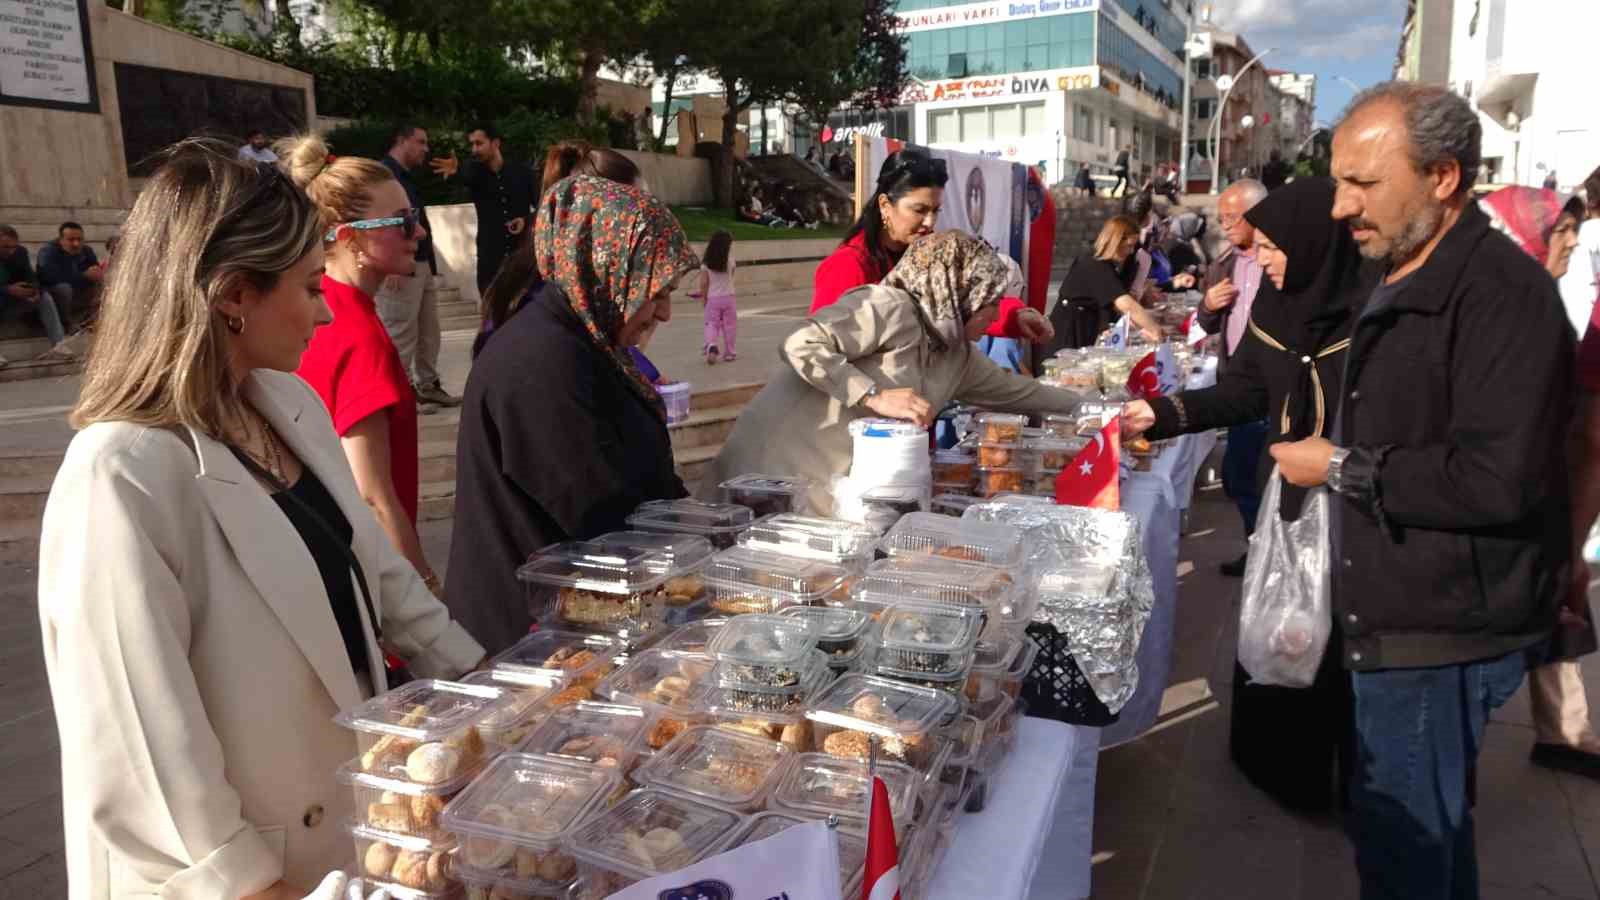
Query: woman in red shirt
(372, 233)
(904, 207)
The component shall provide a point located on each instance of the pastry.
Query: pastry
(425, 810)
(588, 608)
(797, 737)
(379, 859)
(438, 869)
(683, 590)
(569, 658)
(739, 604)
(555, 867)
(750, 726)
(470, 744)
(394, 817)
(571, 694)
(664, 731)
(847, 744)
(994, 456)
(411, 869)
(670, 690)
(433, 763)
(598, 749)
(867, 706)
(965, 554)
(1001, 481)
(388, 751)
(655, 848)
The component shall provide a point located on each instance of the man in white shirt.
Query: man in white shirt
(256, 149)
(1579, 286)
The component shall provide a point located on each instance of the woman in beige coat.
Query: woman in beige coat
(901, 349)
(199, 632)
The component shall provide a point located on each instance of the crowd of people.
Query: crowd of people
(229, 554)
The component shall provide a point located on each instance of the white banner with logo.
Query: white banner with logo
(799, 862)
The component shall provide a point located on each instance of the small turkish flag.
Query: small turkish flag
(1145, 379)
(882, 878)
(1195, 334)
(1091, 478)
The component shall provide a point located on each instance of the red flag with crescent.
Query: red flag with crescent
(1091, 478)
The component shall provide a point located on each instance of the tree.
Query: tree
(585, 33)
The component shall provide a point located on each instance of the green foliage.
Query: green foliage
(1311, 167)
(700, 222)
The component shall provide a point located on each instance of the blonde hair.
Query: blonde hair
(340, 186)
(1116, 230)
(205, 226)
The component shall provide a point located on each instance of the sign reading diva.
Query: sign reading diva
(984, 13)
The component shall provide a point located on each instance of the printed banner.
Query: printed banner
(985, 197)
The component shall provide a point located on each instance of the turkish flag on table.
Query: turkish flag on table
(1145, 379)
(882, 878)
(1091, 478)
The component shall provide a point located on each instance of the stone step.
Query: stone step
(439, 426)
(19, 542)
(458, 308)
(22, 497)
(28, 369)
(436, 460)
(436, 500)
(693, 464)
(17, 349)
(735, 395)
(704, 427)
(469, 324)
(16, 463)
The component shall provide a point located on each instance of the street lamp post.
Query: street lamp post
(1188, 82)
(1222, 109)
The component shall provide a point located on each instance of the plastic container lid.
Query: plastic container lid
(966, 739)
(590, 732)
(424, 711)
(952, 504)
(999, 418)
(652, 832)
(786, 485)
(525, 704)
(811, 537)
(768, 641)
(695, 637)
(840, 631)
(738, 693)
(710, 763)
(692, 517)
(953, 456)
(929, 533)
(660, 679)
(939, 581)
(594, 567)
(881, 706)
(930, 630)
(544, 656)
(783, 580)
(526, 799)
(995, 657)
(681, 552)
(1023, 662)
(822, 785)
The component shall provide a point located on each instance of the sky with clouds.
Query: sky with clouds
(1354, 39)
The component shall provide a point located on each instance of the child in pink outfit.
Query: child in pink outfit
(716, 292)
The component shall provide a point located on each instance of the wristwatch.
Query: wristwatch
(1336, 469)
(871, 392)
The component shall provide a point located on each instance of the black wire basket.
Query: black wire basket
(1055, 688)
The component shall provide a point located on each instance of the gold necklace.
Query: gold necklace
(271, 461)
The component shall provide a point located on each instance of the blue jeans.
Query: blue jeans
(1418, 732)
(1239, 463)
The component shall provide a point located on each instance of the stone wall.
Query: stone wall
(1078, 222)
(675, 180)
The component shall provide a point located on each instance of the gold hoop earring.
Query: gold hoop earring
(234, 324)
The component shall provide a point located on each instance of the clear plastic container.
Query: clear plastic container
(608, 735)
(649, 832)
(842, 633)
(926, 533)
(852, 846)
(597, 587)
(526, 706)
(994, 456)
(995, 657)
(685, 557)
(486, 886)
(819, 785)
(994, 482)
(809, 537)
(951, 683)
(999, 428)
(398, 806)
(511, 822)
(918, 579)
(927, 639)
(1056, 453)
(695, 637)
(726, 767)
(768, 495)
(1063, 425)
(954, 467)
(744, 580)
(564, 657)
(664, 682)
(719, 523)
(418, 867)
(951, 504)
(855, 706)
(762, 641)
(737, 691)
(676, 398)
(428, 730)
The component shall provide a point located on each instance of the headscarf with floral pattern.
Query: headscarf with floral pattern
(950, 275)
(610, 248)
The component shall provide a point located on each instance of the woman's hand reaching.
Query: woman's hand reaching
(1137, 417)
(1034, 326)
(901, 403)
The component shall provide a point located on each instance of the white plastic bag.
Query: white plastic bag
(1286, 615)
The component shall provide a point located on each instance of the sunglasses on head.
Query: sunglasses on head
(407, 223)
(913, 162)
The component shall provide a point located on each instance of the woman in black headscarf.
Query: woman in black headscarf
(1287, 370)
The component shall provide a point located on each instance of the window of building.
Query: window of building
(1049, 42)
(1202, 68)
(943, 127)
(1083, 123)
(1204, 107)
(1034, 123)
(975, 123)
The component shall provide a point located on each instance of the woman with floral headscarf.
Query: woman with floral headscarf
(900, 349)
(561, 436)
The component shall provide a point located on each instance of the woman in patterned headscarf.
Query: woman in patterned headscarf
(561, 436)
(900, 349)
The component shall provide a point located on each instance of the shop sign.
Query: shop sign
(984, 13)
(1021, 84)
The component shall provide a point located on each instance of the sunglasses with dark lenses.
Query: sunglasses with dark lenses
(407, 223)
(913, 162)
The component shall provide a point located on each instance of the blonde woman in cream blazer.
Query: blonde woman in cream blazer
(194, 658)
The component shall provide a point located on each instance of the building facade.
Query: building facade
(1240, 137)
(1048, 83)
(1294, 114)
(1523, 64)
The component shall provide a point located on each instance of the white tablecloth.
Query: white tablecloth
(1033, 838)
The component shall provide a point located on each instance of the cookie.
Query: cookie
(411, 869)
(847, 744)
(433, 763)
(389, 817)
(379, 859)
(664, 731)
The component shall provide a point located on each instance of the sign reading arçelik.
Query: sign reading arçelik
(985, 13)
(45, 55)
